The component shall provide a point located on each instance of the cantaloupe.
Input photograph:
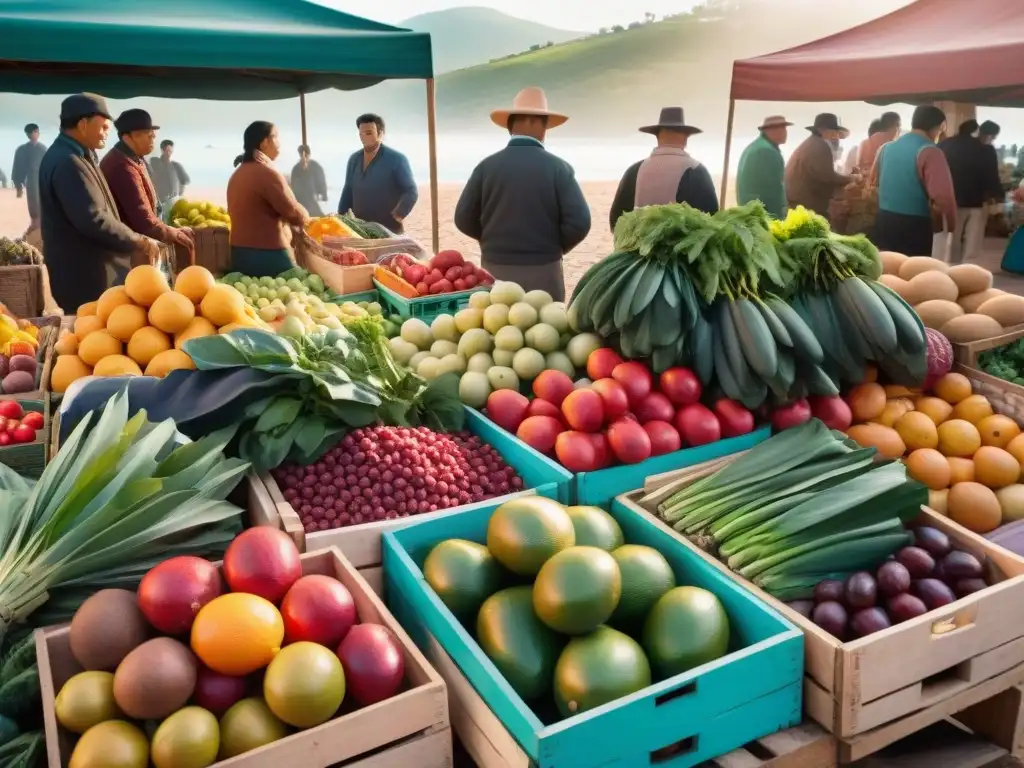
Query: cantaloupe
(167, 361)
(915, 265)
(891, 261)
(967, 328)
(172, 312)
(933, 285)
(1011, 502)
(116, 365)
(193, 282)
(898, 284)
(970, 278)
(974, 506)
(146, 343)
(145, 283)
(111, 299)
(67, 370)
(1007, 310)
(935, 313)
(199, 326)
(96, 346)
(972, 301)
(883, 439)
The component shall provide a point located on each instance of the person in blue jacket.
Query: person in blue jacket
(379, 186)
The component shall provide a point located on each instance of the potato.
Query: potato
(928, 286)
(970, 278)
(972, 301)
(1007, 310)
(967, 328)
(891, 262)
(936, 312)
(915, 265)
(897, 283)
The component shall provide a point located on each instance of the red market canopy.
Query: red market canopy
(930, 50)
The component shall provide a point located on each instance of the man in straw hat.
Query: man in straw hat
(762, 171)
(811, 176)
(523, 204)
(669, 175)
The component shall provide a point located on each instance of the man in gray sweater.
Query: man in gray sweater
(523, 204)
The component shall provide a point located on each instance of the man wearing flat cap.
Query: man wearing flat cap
(762, 171)
(669, 175)
(84, 239)
(811, 176)
(124, 168)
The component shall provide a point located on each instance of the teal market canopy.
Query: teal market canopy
(208, 49)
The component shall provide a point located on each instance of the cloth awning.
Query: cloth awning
(210, 49)
(932, 50)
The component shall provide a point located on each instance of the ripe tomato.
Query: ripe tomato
(23, 433)
(11, 409)
(5, 439)
(33, 419)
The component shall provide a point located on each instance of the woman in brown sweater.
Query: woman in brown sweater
(262, 207)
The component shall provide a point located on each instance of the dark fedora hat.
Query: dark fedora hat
(134, 120)
(826, 121)
(671, 119)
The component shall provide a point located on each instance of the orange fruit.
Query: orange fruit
(893, 410)
(961, 470)
(144, 284)
(928, 467)
(997, 430)
(89, 308)
(237, 634)
(86, 324)
(125, 321)
(111, 299)
(866, 401)
(953, 387)
(995, 468)
(935, 408)
(958, 438)
(973, 409)
(1016, 449)
(974, 506)
(917, 431)
(885, 440)
(194, 282)
(937, 500)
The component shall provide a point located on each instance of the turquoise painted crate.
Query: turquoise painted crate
(426, 308)
(534, 467)
(755, 690)
(356, 297)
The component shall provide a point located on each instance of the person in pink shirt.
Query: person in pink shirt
(888, 129)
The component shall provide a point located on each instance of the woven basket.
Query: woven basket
(22, 289)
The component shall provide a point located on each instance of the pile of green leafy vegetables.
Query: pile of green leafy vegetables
(314, 389)
(1006, 363)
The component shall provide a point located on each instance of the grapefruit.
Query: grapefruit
(262, 561)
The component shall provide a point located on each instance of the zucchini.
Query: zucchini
(759, 349)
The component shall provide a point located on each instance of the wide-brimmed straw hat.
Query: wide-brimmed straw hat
(672, 119)
(529, 101)
(774, 121)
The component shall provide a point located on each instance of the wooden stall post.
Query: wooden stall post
(302, 116)
(728, 147)
(435, 234)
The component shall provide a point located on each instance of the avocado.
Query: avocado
(595, 528)
(463, 574)
(577, 590)
(523, 533)
(521, 646)
(247, 725)
(597, 668)
(646, 576)
(687, 627)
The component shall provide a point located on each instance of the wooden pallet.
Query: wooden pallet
(806, 746)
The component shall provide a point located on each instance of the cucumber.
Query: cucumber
(805, 343)
(623, 314)
(779, 332)
(756, 339)
(909, 328)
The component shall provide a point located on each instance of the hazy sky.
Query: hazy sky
(563, 14)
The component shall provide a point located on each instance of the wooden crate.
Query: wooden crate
(967, 353)
(806, 746)
(860, 686)
(1006, 397)
(29, 459)
(411, 728)
(212, 250)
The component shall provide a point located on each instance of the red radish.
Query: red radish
(453, 274)
(616, 401)
(11, 409)
(681, 386)
(460, 284)
(553, 386)
(792, 415)
(664, 437)
(374, 663)
(602, 450)
(540, 432)
(629, 441)
(654, 407)
(5, 439)
(583, 410)
(697, 425)
(471, 281)
(216, 692)
(834, 411)
(318, 609)
(539, 407)
(734, 418)
(601, 363)
(576, 452)
(263, 561)
(507, 408)
(414, 273)
(33, 419)
(172, 592)
(636, 379)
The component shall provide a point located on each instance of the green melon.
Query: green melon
(523, 533)
(522, 647)
(646, 576)
(463, 574)
(597, 668)
(577, 590)
(595, 528)
(687, 627)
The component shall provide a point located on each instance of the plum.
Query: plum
(868, 621)
(893, 578)
(861, 590)
(965, 587)
(829, 590)
(905, 607)
(916, 560)
(803, 607)
(831, 616)
(961, 565)
(932, 540)
(933, 593)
